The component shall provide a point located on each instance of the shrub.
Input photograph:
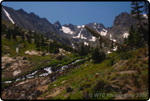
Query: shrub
(126, 55)
(85, 85)
(111, 62)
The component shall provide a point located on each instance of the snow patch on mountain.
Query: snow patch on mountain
(112, 38)
(73, 46)
(79, 35)
(83, 25)
(93, 38)
(125, 35)
(66, 30)
(82, 37)
(78, 26)
(103, 33)
(115, 48)
(7, 14)
(85, 43)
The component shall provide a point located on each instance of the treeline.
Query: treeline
(42, 43)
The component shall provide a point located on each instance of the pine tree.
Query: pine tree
(34, 34)
(100, 42)
(37, 44)
(47, 38)
(138, 40)
(29, 38)
(14, 36)
(22, 36)
(125, 41)
(112, 44)
(98, 56)
(136, 11)
(82, 49)
(142, 34)
(130, 38)
(35, 39)
(42, 43)
(146, 8)
(8, 35)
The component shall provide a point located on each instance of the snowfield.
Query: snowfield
(103, 33)
(93, 38)
(78, 26)
(125, 35)
(79, 35)
(85, 43)
(7, 14)
(66, 30)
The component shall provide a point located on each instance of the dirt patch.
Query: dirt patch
(57, 90)
(128, 72)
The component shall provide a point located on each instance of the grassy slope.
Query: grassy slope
(84, 80)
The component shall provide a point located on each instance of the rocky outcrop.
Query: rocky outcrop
(60, 56)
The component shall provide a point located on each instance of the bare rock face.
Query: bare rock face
(60, 56)
(6, 47)
(20, 45)
(45, 82)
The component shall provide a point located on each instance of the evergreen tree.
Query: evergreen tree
(13, 35)
(37, 44)
(22, 36)
(29, 38)
(112, 44)
(130, 38)
(47, 38)
(8, 35)
(34, 34)
(3, 30)
(138, 40)
(142, 34)
(82, 49)
(118, 49)
(98, 56)
(136, 11)
(146, 8)
(100, 42)
(35, 39)
(125, 41)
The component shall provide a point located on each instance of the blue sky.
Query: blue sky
(77, 13)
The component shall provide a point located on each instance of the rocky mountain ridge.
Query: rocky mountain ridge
(74, 33)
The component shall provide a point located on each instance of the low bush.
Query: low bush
(126, 55)
(111, 62)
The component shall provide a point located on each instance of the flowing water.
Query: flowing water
(46, 70)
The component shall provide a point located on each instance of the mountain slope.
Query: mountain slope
(72, 33)
(121, 26)
(28, 21)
